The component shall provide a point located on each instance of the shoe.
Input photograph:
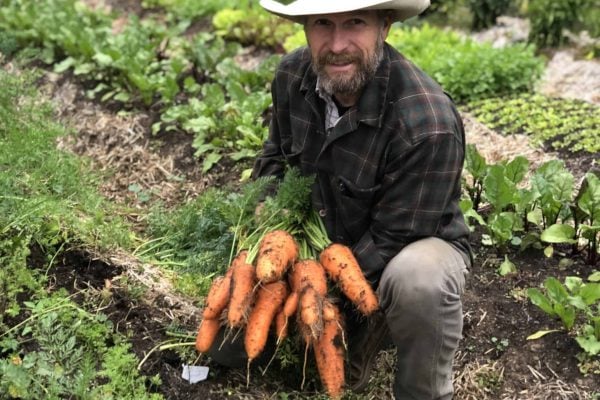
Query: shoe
(364, 345)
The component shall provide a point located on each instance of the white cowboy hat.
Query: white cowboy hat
(297, 9)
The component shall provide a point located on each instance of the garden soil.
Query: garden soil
(495, 360)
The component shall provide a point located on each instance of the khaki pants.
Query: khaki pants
(420, 292)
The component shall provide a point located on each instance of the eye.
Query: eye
(322, 22)
(356, 21)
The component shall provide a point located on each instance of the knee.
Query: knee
(410, 280)
(421, 275)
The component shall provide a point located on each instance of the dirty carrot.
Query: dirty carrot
(281, 326)
(207, 332)
(291, 305)
(311, 311)
(329, 355)
(243, 280)
(308, 272)
(288, 310)
(329, 311)
(269, 299)
(277, 251)
(343, 268)
(218, 295)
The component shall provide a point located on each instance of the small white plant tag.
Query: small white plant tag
(194, 373)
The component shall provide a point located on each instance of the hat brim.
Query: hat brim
(299, 9)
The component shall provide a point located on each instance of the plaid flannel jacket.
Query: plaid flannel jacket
(388, 173)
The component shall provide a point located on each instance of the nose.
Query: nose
(339, 41)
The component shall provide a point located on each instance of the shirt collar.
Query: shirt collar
(332, 115)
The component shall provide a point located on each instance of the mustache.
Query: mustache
(343, 58)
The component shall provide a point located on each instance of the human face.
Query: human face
(346, 50)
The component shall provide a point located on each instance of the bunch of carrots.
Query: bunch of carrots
(283, 279)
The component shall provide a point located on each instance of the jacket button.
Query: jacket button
(322, 212)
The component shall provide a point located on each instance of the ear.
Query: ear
(386, 26)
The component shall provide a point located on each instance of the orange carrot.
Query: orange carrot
(310, 306)
(329, 311)
(207, 332)
(291, 305)
(308, 272)
(277, 251)
(311, 315)
(218, 295)
(269, 299)
(342, 267)
(330, 354)
(281, 326)
(243, 280)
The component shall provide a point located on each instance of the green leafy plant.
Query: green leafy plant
(69, 343)
(577, 304)
(549, 18)
(466, 69)
(476, 168)
(497, 186)
(229, 119)
(559, 123)
(485, 12)
(253, 26)
(584, 223)
(192, 9)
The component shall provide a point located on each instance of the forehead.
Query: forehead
(340, 17)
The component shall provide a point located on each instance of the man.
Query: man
(386, 145)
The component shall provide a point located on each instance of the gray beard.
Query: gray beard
(353, 84)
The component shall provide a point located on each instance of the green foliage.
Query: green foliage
(14, 278)
(70, 350)
(591, 19)
(466, 69)
(587, 213)
(60, 28)
(562, 123)
(554, 186)
(129, 66)
(119, 367)
(577, 304)
(47, 195)
(485, 12)
(200, 238)
(253, 26)
(291, 205)
(498, 186)
(228, 120)
(192, 9)
(549, 18)
(125, 63)
(48, 201)
(294, 41)
(546, 209)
